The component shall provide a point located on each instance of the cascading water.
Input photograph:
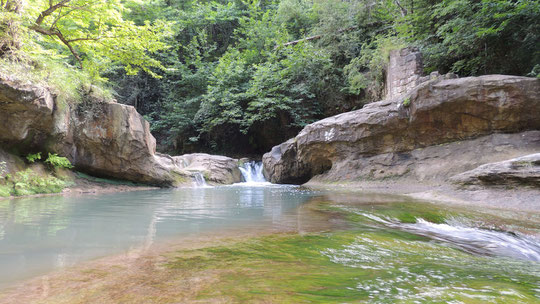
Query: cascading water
(252, 172)
(471, 239)
(198, 180)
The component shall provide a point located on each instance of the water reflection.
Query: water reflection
(40, 234)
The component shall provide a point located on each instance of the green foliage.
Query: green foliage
(33, 157)
(28, 182)
(221, 75)
(58, 161)
(3, 169)
(367, 72)
(406, 102)
(93, 34)
(5, 191)
(48, 41)
(473, 37)
(225, 89)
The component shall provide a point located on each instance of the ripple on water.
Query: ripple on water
(422, 271)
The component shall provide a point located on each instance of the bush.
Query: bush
(33, 157)
(3, 168)
(5, 191)
(58, 161)
(28, 182)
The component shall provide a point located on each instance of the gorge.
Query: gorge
(261, 151)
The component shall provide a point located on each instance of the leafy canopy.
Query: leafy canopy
(92, 34)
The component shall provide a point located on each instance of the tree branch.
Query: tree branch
(59, 35)
(50, 10)
(401, 8)
(317, 36)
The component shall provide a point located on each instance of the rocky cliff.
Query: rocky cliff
(100, 137)
(394, 137)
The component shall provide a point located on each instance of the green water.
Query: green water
(326, 247)
(369, 262)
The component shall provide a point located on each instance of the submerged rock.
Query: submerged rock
(436, 112)
(521, 171)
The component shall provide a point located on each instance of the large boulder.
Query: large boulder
(520, 171)
(215, 168)
(26, 114)
(112, 139)
(436, 112)
(100, 137)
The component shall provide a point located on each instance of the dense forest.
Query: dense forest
(239, 76)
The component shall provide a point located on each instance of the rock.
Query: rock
(112, 139)
(103, 138)
(26, 114)
(10, 163)
(432, 165)
(436, 112)
(216, 169)
(521, 171)
(404, 71)
(100, 137)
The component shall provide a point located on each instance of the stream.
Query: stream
(382, 247)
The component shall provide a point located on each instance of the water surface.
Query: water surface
(38, 235)
(378, 248)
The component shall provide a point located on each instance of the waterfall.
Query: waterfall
(198, 180)
(252, 172)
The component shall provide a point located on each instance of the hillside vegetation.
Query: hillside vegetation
(239, 76)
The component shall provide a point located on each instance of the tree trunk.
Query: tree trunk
(10, 27)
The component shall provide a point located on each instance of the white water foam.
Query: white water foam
(199, 181)
(471, 239)
(252, 173)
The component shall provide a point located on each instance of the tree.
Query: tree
(94, 33)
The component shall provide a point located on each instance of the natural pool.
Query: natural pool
(314, 246)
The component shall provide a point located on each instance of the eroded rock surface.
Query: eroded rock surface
(436, 112)
(112, 139)
(26, 114)
(215, 168)
(100, 137)
(520, 171)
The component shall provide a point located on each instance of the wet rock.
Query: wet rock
(436, 112)
(521, 171)
(215, 168)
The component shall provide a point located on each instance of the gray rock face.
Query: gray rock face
(521, 171)
(26, 113)
(436, 112)
(434, 164)
(216, 169)
(114, 140)
(404, 69)
(100, 137)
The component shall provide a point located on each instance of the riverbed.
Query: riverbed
(259, 242)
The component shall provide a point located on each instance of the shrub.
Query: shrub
(58, 161)
(3, 168)
(5, 191)
(33, 157)
(28, 182)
